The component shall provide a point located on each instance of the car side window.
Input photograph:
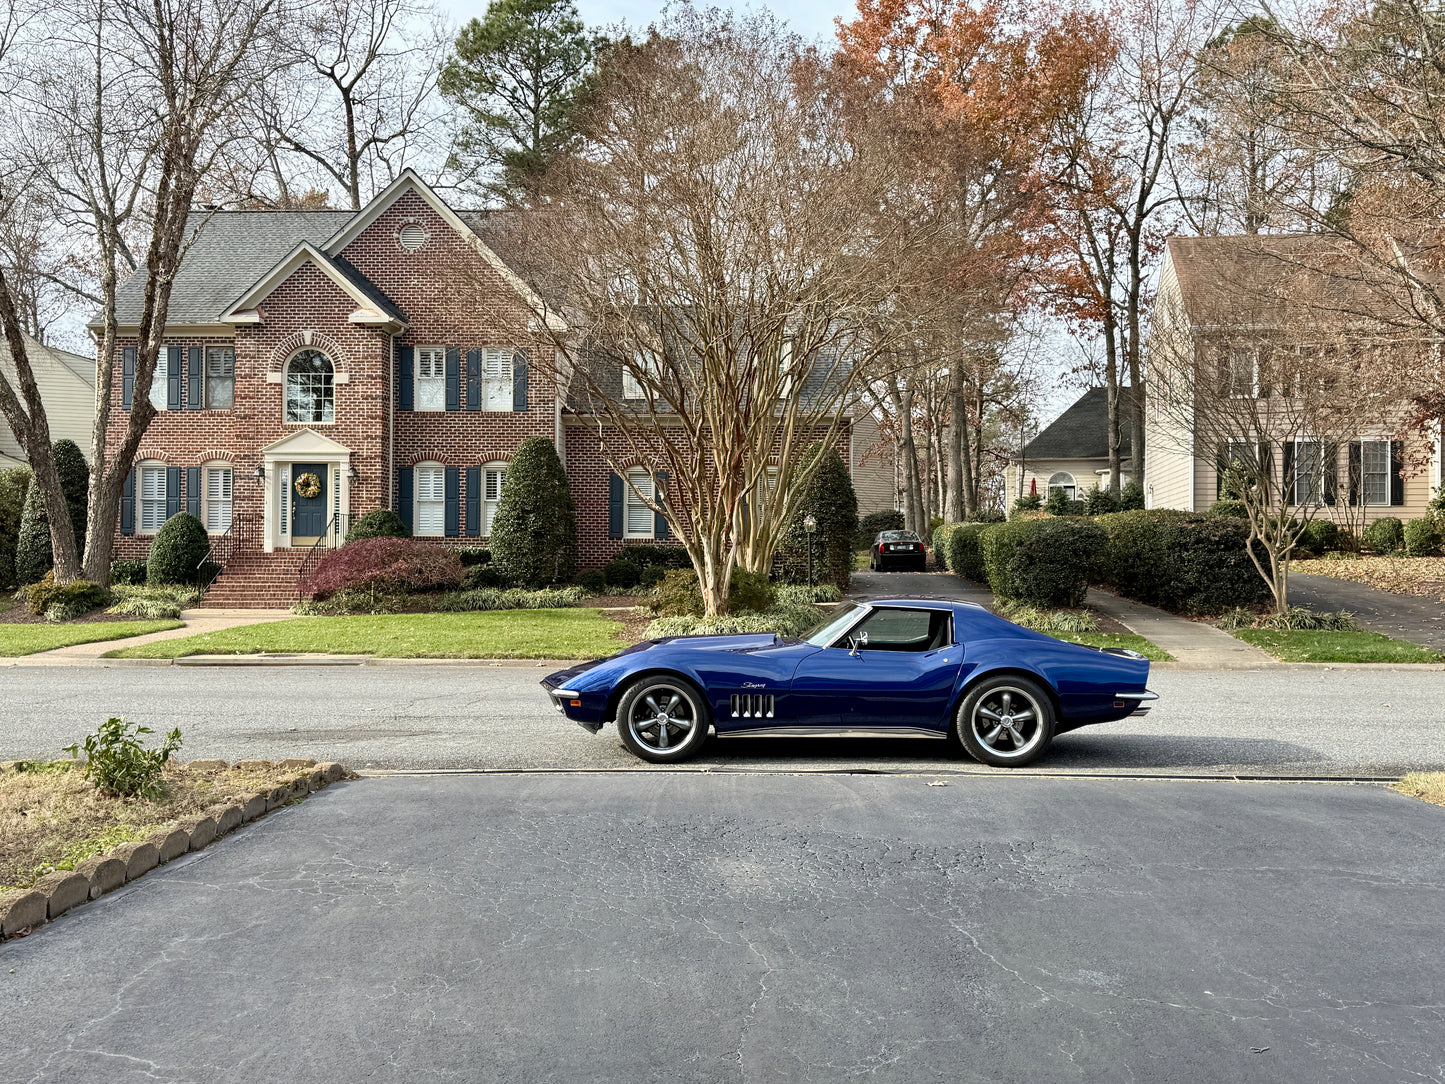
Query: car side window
(905, 630)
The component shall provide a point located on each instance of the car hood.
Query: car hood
(738, 642)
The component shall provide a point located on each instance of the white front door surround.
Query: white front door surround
(308, 447)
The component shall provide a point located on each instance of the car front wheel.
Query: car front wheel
(662, 719)
(1006, 721)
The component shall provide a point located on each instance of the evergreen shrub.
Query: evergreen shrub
(177, 550)
(1182, 561)
(1385, 535)
(830, 498)
(1422, 538)
(965, 552)
(1043, 562)
(14, 484)
(870, 525)
(534, 534)
(378, 523)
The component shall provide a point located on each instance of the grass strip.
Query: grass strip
(28, 639)
(1148, 648)
(1337, 647)
(495, 634)
(1427, 786)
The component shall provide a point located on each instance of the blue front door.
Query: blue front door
(308, 514)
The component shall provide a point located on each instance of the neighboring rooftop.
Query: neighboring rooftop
(1080, 432)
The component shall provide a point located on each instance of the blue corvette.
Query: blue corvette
(883, 668)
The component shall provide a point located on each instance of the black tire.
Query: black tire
(991, 729)
(662, 719)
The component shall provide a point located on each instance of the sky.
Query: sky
(811, 18)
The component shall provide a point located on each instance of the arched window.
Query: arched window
(493, 476)
(429, 517)
(1065, 481)
(310, 388)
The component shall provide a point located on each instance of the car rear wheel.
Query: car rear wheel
(662, 719)
(1006, 721)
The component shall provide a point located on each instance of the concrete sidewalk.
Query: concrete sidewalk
(1194, 645)
(197, 622)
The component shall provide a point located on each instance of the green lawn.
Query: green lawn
(1150, 650)
(1337, 647)
(28, 639)
(497, 634)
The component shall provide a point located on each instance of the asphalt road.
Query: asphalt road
(714, 928)
(1304, 722)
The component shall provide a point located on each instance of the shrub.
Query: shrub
(152, 603)
(351, 602)
(988, 515)
(1422, 538)
(117, 763)
(516, 598)
(1057, 504)
(679, 593)
(783, 620)
(592, 581)
(1100, 502)
(1049, 621)
(14, 484)
(1029, 502)
(830, 498)
(481, 576)
(1131, 498)
(1318, 537)
(940, 544)
(177, 551)
(870, 525)
(383, 567)
(620, 572)
(1229, 508)
(651, 555)
(1385, 535)
(965, 552)
(33, 551)
(131, 573)
(651, 576)
(797, 594)
(1299, 619)
(378, 523)
(62, 603)
(472, 556)
(1046, 562)
(534, 534)
(1182, 561)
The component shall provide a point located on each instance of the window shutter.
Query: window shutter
(659, 521)
(127, 377)
(1291, 490)
(175, 380)
(519, 384)
(1397, 472)
(1356, 470)
(193, 490)
(452, 508)
(405, 505)
(454, 391)
(474, 487)
(196, 370)
(173, 491)
(404, 383)
(1332, 473)
(127, 504)
(614, 505)
(474, 384)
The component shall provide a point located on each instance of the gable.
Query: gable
(373, 308)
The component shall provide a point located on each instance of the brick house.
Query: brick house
(321, 364)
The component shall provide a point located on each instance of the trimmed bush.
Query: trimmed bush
(679, 593)
(74, 474)
(655, 556)
(1043, 562)
(14, 485)
(479, 577)
(965, 552)
(1182, 561)
(620, 572)
(385, 566)
(830, 498)
(378, 523)
(534, 534)
(592, 581)
(870, 525)
(1238, 509)
(34, 555)
(940, 544)
(1100, 502)
(1029, 502)
(128, 573)
(1385, 535)
(1318, 537)
(1131, 498)
(66, 602)
(1422, 538)
(651, 576)
(177, 551)
(472, 556)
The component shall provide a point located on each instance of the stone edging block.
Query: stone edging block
(23, 909)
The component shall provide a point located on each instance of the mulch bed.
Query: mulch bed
(19, 614)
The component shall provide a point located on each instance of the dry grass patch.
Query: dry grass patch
(1422, 576)
(1427, 786)
(51, 817)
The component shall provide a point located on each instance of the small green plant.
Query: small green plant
(1299, 619)
(117, 763)
(1049, 621)
(1029, 502)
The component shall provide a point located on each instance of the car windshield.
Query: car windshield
(898, 536)
(826, 631)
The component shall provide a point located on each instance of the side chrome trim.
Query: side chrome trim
(1145, 695)
(566, 694)
(832, 732)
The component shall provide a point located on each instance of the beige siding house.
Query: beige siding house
(1072, 454)
(1371, 474)
(871, 466)
(67, 388)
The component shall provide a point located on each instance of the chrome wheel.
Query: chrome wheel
(1008, 723)
(662, 719)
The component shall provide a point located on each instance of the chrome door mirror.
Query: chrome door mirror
(855, 642)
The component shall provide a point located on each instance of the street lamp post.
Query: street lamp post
(810, 525)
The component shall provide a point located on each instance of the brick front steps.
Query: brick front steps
(24, 909)
(264, 581)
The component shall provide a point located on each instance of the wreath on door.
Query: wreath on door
(308, 486)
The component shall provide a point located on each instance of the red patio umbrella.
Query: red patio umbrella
(1033, 487)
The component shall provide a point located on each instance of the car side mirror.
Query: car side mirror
(855, 642)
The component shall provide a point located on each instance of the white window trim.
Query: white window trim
(159, 381)
(644, 362)
(435, 355)
(497, 375)
(1365, 473)
(286, 384)
(141, 469)
(206, 377)
(1253, 390)
(645, 484)
(1317, 483)
(1053, 484)
(489, 507)
(207, 500)
(438, 502)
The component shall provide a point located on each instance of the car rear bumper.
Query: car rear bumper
(1142, 701)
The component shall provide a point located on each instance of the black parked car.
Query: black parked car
(898, 549)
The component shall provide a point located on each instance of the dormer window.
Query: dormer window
(310, 389)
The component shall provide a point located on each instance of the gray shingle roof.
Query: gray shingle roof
(232, 250)
(1080, 432)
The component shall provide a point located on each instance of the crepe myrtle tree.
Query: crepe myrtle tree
(713, 238)
(1270, 389)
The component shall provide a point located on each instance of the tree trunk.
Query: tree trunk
(1111, 396)
(956, 503)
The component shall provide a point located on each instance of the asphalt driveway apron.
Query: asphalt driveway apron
(1405, 617)
(660, 926)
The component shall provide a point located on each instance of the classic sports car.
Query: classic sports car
(898, 549)
(883, 668)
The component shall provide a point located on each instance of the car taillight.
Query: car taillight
(881, 547)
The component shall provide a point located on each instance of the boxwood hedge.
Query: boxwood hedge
(1182, 561)
(1043, 562)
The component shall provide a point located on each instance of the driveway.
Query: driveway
(1405, 617)
(867, 584)
(706, 928)
(1307, 721)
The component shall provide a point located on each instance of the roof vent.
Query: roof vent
(412, 237)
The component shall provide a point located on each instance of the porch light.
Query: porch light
(352, 473)
(810, 523)
(259, 473)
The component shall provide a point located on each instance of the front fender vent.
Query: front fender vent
(752, 705)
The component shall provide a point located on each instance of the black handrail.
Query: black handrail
(224, 546)
(335, 531)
